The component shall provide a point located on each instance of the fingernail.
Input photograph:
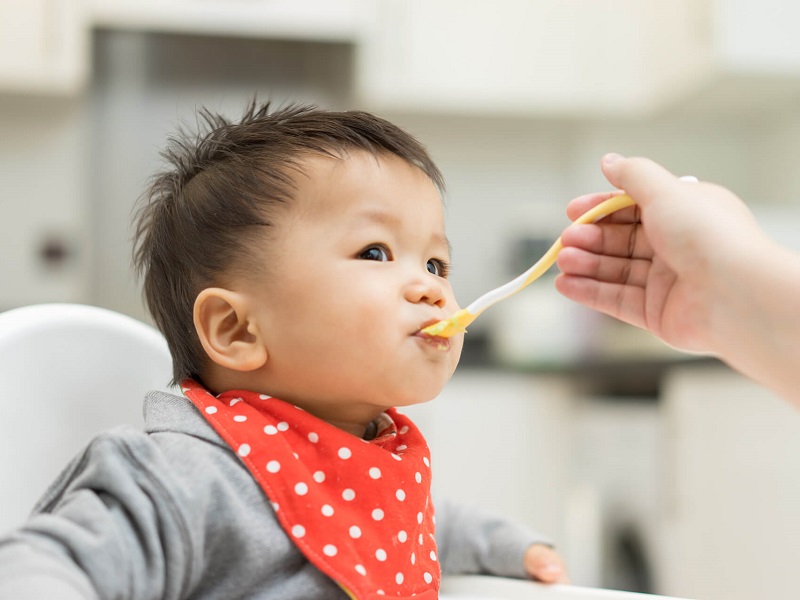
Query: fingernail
(611, 158)
(552, 568)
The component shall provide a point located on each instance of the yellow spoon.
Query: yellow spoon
(457, 323)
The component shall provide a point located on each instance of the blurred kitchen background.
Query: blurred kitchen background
(651, 470)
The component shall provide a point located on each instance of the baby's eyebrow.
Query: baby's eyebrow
(442, 239)
(379, 216)
(383, 217)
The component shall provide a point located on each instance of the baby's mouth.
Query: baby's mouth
(442, 344)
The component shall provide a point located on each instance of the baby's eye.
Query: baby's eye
(377, 253)
(438, 267)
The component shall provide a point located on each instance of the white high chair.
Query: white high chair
(69, 371)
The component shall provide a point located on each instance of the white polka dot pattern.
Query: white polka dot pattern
(351, 508)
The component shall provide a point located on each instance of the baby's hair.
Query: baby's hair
(218, 193)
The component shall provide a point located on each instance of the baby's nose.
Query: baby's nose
(428, 291)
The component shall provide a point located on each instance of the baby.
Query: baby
(291, 259)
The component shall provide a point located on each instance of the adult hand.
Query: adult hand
(690, 264)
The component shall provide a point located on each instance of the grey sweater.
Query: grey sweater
(170, 512)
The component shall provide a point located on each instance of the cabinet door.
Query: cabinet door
(517, 56)
(307, 20)
(43, 46)
(44, 218)
(757, 37)
(732, 521)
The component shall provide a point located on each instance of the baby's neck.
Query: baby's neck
(363, 431)
(361, 421)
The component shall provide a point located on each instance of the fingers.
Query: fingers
(623, 302)
(610, 269)
(641, 178)
(610, 240)
(582, 204)
(544, 564)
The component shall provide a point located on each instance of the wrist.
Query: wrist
(753, 325)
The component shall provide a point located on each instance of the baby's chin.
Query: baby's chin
(421, 395)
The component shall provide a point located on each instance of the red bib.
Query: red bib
(359, 510)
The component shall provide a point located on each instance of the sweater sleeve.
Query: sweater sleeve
(107, 528)
(472, 542)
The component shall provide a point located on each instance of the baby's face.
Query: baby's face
(357, 267)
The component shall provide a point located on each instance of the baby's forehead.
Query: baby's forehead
(341, 163)
(379, 185)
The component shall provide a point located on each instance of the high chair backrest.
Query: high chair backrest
(67, 372)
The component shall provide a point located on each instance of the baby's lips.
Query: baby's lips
(427, 323)
(440, 343)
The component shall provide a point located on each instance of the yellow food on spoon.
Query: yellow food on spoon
(458, 321)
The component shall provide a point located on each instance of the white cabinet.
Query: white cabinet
(45, 223)
(580, 58)
(754, 60)
(319, 20)
(757, 37)
(43, 46)
(518, 57)
(731, 520)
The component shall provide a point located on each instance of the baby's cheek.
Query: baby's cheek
(458, 348)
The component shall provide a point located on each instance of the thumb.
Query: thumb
(641, 178)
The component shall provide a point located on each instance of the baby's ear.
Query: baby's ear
(228, 331)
